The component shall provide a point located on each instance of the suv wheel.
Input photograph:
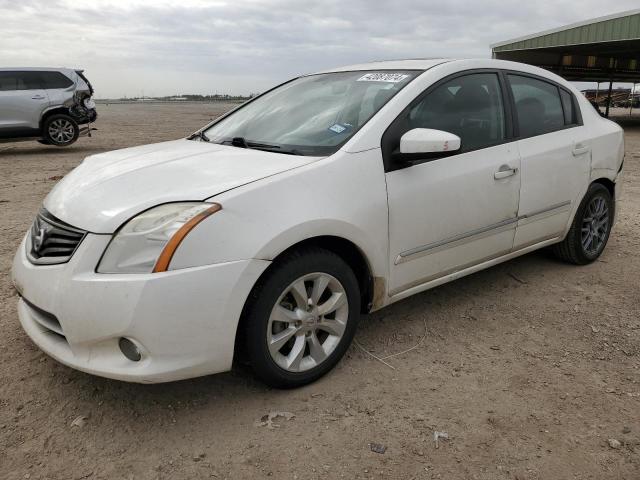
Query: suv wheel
(301, 317)
(590, 229)
(60, 130)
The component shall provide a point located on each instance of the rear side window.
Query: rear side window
(19, 81)
(53, 80)
(538, 106)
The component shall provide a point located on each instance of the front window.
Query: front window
(469, 107)
(312, 115)
(10, 81)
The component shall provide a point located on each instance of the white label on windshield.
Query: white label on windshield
(383, 77)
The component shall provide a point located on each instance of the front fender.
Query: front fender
(321, 228)
(206, 245)
(342, 196)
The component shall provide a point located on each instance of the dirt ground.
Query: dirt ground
(530, 367)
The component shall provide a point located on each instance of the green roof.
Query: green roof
(601, 49)
(612, 28)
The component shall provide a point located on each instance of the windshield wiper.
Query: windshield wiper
(241, 142)
(201, 135)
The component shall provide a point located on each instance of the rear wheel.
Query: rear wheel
(590, 229)
(301, 317)
(60, 130)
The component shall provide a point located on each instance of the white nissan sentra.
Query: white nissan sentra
(266, 234)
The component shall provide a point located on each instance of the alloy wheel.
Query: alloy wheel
(307, 322)
(595, 225)
(61, 130)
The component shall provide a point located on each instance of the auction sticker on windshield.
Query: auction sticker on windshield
(383, 77)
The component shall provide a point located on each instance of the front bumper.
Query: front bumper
(184, 321)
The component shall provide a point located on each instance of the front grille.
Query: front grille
(52, 241)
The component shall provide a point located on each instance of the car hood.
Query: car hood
(109, 188)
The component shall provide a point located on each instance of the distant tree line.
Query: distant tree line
(184, 98)
(194, 97)
(223, 96)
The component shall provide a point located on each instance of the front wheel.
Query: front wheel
(301, 317)
(60, 130)
(590, 229)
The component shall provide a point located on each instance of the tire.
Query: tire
(60, 130)
(305, 342)
(595, 213)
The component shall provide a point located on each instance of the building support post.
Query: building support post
(606, 113)
(632, 97)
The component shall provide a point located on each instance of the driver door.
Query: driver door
(451, 212)
(22, 101)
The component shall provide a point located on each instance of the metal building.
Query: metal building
(605, 49)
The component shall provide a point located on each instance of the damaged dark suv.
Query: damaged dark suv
(51, 105)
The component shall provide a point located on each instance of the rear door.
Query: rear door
(58, 86)
(451, 212)
(22, 101)
(555, 157)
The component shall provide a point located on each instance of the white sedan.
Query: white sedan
(266, 234)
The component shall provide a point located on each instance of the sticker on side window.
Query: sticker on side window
(383, 77)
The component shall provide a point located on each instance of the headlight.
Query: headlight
(147, 242)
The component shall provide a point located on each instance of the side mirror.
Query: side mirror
(426, 140)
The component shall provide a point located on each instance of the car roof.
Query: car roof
(407, 64)
(424, 64)
(39, 69)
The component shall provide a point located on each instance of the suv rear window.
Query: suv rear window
(53, 80)
(19, 81)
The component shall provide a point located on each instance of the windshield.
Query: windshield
(311, 115)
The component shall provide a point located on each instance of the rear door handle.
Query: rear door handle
(38, 97)
(504, 172)
(580, 149)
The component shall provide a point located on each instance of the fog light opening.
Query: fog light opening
(129, 349)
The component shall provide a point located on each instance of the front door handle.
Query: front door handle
(504, 172)
(38, 97)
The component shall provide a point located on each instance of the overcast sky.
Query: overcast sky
(241, 46)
